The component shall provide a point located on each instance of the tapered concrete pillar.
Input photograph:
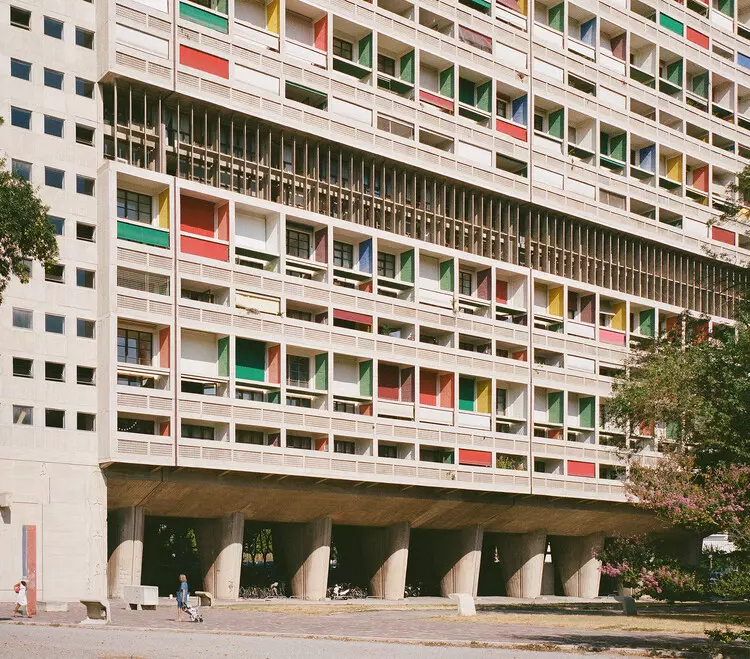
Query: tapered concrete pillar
(575, 561)
(220, 549)
(522, 562)
(458, 555)
(385, 551)
(125, 531)
(307, 551)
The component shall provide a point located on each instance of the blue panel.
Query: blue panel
(365, 256)
(743, 60)
(518, 109)
(648, 158)
(588, 32)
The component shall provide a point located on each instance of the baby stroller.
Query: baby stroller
(193, 612)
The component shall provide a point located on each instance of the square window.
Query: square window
(58, 223)
(84, 135)
(84, 38)
(53, 78)
(20, 118)
(54, 178)
(20, 18)
(85, 232)
(86, 375)
(23, 318)
(53, 125)
(343, 255)
(342, 49)
(54, 324)
(54, 371)
(53, 28)
(465, 283)
(85, 185)
(133, 206)
(386, 265)
(21, 168)
(23, 415)
(84, 88)
(85, 328)
(298, 242)
(55, 273)
(85, 278)
(20, 69)
(54, 418)
(23, 368)
(387, 65)
(86, 421)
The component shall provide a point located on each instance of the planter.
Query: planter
(625, 591)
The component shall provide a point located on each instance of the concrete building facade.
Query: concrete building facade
(339, 262)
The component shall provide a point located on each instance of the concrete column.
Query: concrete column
(458, 555)
(576, 563)
(386, 551)
(220, 543)
(522, 562)
(307, 550)
(126, 544)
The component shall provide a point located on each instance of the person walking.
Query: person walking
(182, 596)
(22, 600)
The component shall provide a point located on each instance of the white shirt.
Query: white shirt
(21, 597)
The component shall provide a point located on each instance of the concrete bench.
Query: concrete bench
(53, 607)
(141, 597)
(465, 603)
(628, 605)
(204, 598)
(97, 612)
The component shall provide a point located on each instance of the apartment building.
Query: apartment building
(346, 263)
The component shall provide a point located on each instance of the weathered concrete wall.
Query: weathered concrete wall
(575, 560)
(386, 553)
(125, 532)
(522, 562)
(220, 548)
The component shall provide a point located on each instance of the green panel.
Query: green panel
(142, 234)
(321, 371)
(671, 24)
(618, 147)
(350, 68)
(674, 72)
(223, 357)
(700, 84)
(406, 67)
(466, 90)
(556, 123)
(604, 144)
(447, 82)
(587, 412)
(556, 17)
(203, 17)
(251, 360)
(365, 50)
(647, 322)
(726, 7)
(407, 266)
(673, 430)
(274, 397)
(466, 394)
(365, 378)
(555, 407)
(484, 96)
(446, 275)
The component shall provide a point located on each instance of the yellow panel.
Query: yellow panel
(674, 168)
(164, 209)
(619, 320)
(522, 6)
(483, 396)
(273, 21)
(555, 305)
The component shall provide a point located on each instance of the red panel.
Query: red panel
(501, 291)
(587, 309)
(520, 355)
(467, 456)
(446, 390)
(618, 46)
(274, 364)
(722, 235)
(29, 532)
(586, 469)
(352, 317)
(197, 216)
(646, 428)
(508, 128)
(428, 381)
(388, 382)
(700, 178)
(222, 230)
(610, 336)
(483, 284)
(554, 433)
(164, 348)
(365, 409)
(164, 428)
(321, 34)
(321, 444)
(697, 38)
(209, 250)
(366, 287)
(437, 101)
(197, 59)
(321, 246)
(407, 385)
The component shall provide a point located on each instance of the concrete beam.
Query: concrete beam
(458, 555)
(220, 544)
(126, 557)
(522, 562)
(386, 552)
(574, 558)
(307, 552)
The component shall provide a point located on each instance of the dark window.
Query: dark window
(187, 387)
(84, 88)
(294, 401)
(342, 48)
(86, 421)
(85, 185)
(54, 418)
(20, 69)
(140, 426)
(190, 431)
(340, 446)
(23, 318)
(297, 314)
(464, 283)
(85, 328)
(55, 273)
(53, 78)
(20, 18)
(84, 135)
(85, 278)
(84, 38)
(54, 371)
(345, 408)
(134, 347)
(85, 232)
(54, 324)
(298, 243)
(53, 27)
(54, 178)
(58, 223)
(297, 441)
(86, 375)
(387, 451)
(20, 118)
(343, 255)
(244, 394)
(53, 126)
(23, 368)
(387, 65)
(539, 123)
(23, 415)
(133, 206)
(249, 437)
(386, 265)
(135, 381)
(21, 168)
(298, 371)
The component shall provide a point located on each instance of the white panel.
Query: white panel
(270, 41)
(510, 57)
(428, 79)
(199, 354)
(580, 329)
(394, 408)
(429, 272)
(612, 64)
(299, 28)
(540, 299)
(160, 5)
(350, 111)
(548, 177)
(473, 420)
(250, 11)
(581, 364)
(474, 153)
(250, 232)
(540, 405)
(717, 18)
(258, 303)
(613, 99)
(581, 188)
(548, 70)
(345, 376)
(435, 415)
(307, 53)
(142, 41)
(256, 79)
(436, 298)
(549, 36)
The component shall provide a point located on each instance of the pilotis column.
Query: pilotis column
(575, 560)
(522, 562)
(126, 557)
(458, 555)
(386, 552)
(220, 548)
(307, 551)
